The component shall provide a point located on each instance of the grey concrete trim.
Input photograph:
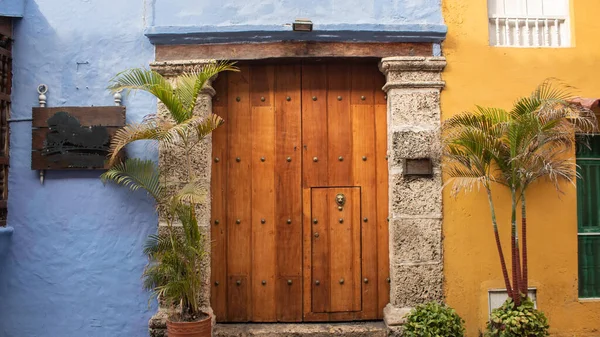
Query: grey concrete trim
(393, 316)
(342, 329)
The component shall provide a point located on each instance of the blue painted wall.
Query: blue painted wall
(233, 21)
(352, 13)
(72, 266)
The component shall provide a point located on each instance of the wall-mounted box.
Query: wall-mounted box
(421, 167)
(73, 137)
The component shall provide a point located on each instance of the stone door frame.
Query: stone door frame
(413, 86)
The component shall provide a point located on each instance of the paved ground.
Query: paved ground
(358, 329)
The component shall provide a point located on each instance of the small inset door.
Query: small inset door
(336, 285)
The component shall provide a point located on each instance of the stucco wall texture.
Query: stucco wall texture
(74, 261)
(493, 76)
(351, 13)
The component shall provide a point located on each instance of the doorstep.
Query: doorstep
(351, 329)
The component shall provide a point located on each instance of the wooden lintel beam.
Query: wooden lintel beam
(291, 50)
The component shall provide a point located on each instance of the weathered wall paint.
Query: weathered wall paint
(176, 22)
(74, 262)
(490, 76)
(261, 12)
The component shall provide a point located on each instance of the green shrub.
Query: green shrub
(521, 321)
(433, 320)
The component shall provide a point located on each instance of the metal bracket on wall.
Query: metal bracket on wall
(42, 89)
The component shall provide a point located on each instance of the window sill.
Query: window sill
(533, 47)
(6, 231)
(589, 300)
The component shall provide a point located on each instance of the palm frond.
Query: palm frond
(151, 128)
(153, 83)
(190, 84)
(136, 174)
(191, 194)
(206, 126)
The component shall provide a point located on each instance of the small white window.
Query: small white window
(529, 23)
(497, 297)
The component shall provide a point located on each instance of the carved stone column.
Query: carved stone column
(413, 107)
(172, 164)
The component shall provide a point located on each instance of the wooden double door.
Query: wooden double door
(300, 194)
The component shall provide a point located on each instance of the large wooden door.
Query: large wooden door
(296, 138)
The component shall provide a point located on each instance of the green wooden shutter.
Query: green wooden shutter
(588, 218)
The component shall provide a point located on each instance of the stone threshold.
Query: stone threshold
(348, 329)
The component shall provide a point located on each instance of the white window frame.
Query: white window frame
(496, 297)
(517, 28)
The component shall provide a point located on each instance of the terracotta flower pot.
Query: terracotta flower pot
(200, 328)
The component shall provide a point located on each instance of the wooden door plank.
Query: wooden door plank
(87, 116)
(321, 251)
(307, 236)
(339, 126)
(356, 250)
(288, 191)
(383, 261)
(314, 125)
(344, 250)
(264, 261)
(238, 297)
(262, 85)
(289, 290)
(38, 136)
(364, 169)
(239, 188)
(219, 207)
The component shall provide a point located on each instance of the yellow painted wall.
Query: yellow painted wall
(493, 76)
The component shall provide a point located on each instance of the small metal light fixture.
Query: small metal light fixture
(302, 25)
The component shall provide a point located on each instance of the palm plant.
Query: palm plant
(514, 149)
(174, 273)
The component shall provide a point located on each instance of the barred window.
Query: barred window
(588, 217)
(529, 23)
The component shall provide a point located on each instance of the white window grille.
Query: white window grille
(497, 297)
(529, 23)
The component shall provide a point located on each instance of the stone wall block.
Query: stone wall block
(171, 69)
(416, 196)
(416, 284)
(412, 72)
(414, 77)
(416, 240)
(415, 143)
(410, 106)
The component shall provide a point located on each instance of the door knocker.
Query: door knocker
(340, 200)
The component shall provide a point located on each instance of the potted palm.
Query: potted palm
(174, 273)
